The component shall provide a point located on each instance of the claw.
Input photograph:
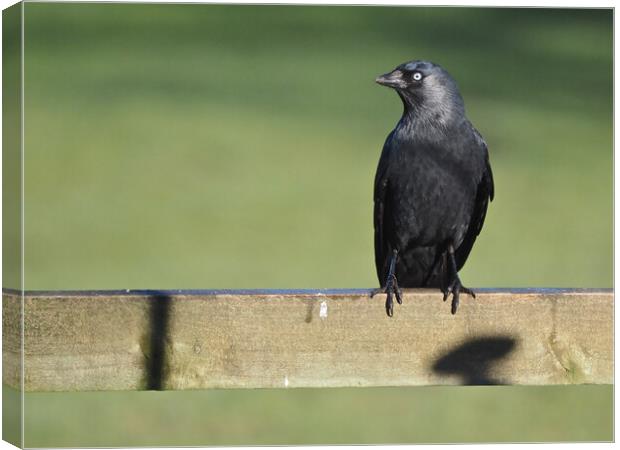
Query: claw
(389, 305)
(455, 289)
(391, 287)
(468, 291)
(447, 293)
(389, 290)
(375, 292)
(397, 291)
(455, 301)
(392, 290)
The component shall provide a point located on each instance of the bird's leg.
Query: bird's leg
(453, 285)
(391, 286)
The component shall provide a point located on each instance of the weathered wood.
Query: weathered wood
(232, 339)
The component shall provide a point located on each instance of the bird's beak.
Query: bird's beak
(392, 79)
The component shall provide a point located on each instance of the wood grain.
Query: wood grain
(131, 340)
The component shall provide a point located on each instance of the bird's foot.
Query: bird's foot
(392, 290)
(455, 288)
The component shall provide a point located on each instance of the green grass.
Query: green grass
(177, 146)
(321, 416)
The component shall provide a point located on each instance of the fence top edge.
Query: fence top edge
(278, 292)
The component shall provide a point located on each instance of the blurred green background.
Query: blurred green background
(203, 146)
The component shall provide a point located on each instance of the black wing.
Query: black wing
(380, 207)
(484, 194)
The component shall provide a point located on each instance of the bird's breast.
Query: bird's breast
(431, 197)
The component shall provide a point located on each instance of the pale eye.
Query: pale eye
(417, 76)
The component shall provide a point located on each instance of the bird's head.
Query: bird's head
(426, 89)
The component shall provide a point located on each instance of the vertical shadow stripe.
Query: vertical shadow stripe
(159, 317)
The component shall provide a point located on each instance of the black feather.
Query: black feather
(433, 182)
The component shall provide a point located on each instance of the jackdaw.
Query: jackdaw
(432, 186)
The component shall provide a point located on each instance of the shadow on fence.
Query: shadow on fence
(473, 360)
(159, 318)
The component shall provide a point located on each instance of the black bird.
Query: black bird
(432, 186)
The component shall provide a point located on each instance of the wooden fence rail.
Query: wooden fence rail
(128, 340)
